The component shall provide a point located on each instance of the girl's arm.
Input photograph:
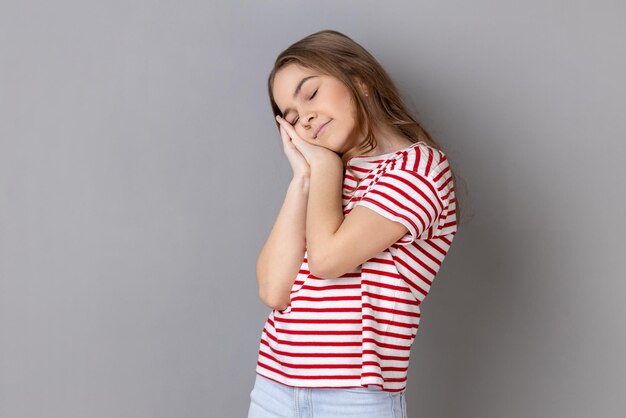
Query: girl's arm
(401, 202)
(282, 254)
(337, 244)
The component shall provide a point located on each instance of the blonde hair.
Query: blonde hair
(332, 53)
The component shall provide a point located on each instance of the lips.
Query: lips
(320, 128)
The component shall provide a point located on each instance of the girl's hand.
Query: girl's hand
(299, 164)
(312, 153)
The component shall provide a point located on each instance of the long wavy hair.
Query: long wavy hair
(334, 54)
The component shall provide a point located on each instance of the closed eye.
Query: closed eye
(294, 122)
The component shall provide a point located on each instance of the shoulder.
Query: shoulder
(421, 159)
(427, 167)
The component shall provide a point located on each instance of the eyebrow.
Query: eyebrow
(295, 94)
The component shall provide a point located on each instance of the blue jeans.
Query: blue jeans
(270, 399)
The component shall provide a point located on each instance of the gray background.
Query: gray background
(141, 171)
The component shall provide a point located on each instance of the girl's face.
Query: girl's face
(310, 100)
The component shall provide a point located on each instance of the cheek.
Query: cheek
(302, 133)
(348, 108)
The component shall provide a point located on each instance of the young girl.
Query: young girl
(368, 218)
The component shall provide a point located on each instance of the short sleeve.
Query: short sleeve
(407, 197)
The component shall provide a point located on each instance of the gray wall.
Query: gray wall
(141, 171)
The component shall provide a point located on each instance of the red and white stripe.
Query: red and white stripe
(357, 329)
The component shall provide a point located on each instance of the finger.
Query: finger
(285, 138)
(289, 131)
(288, 127)
(295, 138)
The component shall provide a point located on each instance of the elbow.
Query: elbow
(268, 295)
(274, 303)
(316, 271)
(322, 267)
(273, 300)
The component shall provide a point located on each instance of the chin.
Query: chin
(328, 147)
(333, 144)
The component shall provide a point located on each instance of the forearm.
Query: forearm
(324, 212)
(282, 254)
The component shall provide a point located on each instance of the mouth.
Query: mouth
(317, 133)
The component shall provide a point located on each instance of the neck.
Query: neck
(388, 140)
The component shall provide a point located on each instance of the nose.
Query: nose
(307, 120)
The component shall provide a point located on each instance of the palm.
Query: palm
(298, 163)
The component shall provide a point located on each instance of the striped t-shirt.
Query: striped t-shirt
(357, 330)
